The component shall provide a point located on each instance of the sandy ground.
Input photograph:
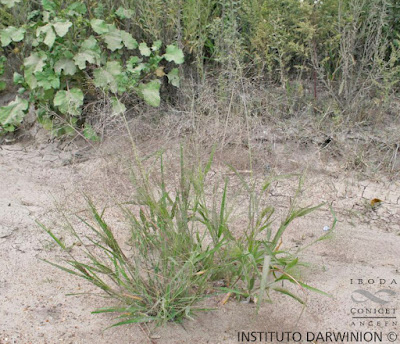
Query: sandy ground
(34, 308)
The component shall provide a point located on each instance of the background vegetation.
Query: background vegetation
(340, 55)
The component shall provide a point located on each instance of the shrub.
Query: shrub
(77, 54)
(361, 73)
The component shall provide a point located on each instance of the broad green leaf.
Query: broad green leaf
(99, 26)
(9, 3)
(108, 76)
(138, 69)
(69, 102)
(156, 45)
(124, 13)
(173, 77)
(117, 106)
(114, 67)
(81, 59)
(90, 44)
(12, 114)
(18, 35)
(173, 53)
(47, 95)
(88, 52)
(144, 49)
(30, 78)
(99, 10)
(113, 38)
(151, 92)
(67, 55)
(3, 85)
(33, 14)
(5, 37)
(62, 28)
(76, 8)
(46, 16)
(155, 60)
(11, 34)
(50, 36)
(89, 133)
(2, 61)
(102, 78)
(49, 5)
(48, 79)
(36, 61)
(46, 123)
(129, 41)
(132, 62)
(65, 65)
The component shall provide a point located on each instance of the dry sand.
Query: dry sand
(34, 308)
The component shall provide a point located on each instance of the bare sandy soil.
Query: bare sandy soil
(34, 308)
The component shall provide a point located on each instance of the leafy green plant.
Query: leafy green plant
(182, 241)
(74, 46)
(3, 84)
(92, 46)
(12, 115)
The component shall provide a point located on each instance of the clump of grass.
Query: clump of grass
(182, 241)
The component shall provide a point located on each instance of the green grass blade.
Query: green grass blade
(288, 293)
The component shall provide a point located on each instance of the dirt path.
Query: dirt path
(34, 307)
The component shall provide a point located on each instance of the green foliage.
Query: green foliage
(3, 84)
(117, 106)
(69, 102)
(89, 133)
(361, 70)
(124, 13)
(350, 47)
(151, 92)
(9, 3)
(283, 34)
(71, 48)
(13, 114)
(174, 54)
(11, 34)
(173, 77)
(181, 242)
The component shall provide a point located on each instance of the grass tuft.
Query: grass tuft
(184, 245)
